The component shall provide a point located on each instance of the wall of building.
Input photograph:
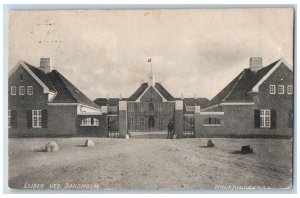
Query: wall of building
(166, 113)
(282, 103)
(24, 103)
(62, 119)
(236, 121)
(99, 131)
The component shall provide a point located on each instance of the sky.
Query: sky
(193, 52)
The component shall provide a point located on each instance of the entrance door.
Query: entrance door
(151, 122)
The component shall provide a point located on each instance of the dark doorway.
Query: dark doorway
(151, 122)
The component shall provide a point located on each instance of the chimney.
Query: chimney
(45, 65)
(182, 96)
(255, 64)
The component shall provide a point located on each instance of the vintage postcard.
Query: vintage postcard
(158, 99)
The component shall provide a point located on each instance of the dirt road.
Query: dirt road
(150, 164)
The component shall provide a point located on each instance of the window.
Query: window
(21, 90)
(112, 108)
(29, 90)
(90, 122)
(160, 108)
(142, 121)
(151, 107)
(131, 121)
(272, 89)
(160, 122)
(9, 119)
(131, 107)
(265, 118)
(290, 89)
(190, 108)
(36, 118)
(212, 122)
(280, 89)
(13, 90)
(141, 107)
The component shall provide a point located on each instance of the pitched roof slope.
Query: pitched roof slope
(237, 90)
(66, 92)
(157, 86)
(164, 92)
(110, 101)
(138, 92)
(42, 76)
(195, 101)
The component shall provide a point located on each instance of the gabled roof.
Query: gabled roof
(110, 101)
(195, 101)
(237, 90)
(138, 92)
(65, 91)
(41, 75)
(162, 91)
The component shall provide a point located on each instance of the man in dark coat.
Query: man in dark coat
(170, 130)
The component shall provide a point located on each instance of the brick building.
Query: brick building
(258, 102)
(42, 102)
(151, 107)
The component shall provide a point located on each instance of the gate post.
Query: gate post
(197, 121)
(178, 129)
(122, 119)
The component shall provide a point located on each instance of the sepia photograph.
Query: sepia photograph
(151, 99)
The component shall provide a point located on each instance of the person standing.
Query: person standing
(170, 130)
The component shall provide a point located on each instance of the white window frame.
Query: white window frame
(212, 124)
(131, 121)
(9, 119)
(142, 121)
(13, 90)
(21, 90)
(290, 89)
(36, 118)
(279, 89)
(272, 89)
(265, 118)
(88, 122)
(30, 90)
(160, 122)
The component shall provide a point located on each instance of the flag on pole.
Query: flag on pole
(149, 60)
